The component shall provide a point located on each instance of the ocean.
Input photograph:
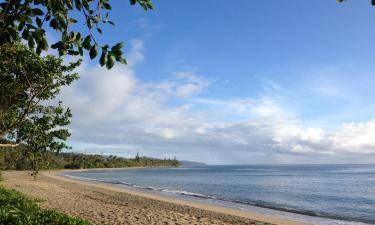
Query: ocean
(319, 194)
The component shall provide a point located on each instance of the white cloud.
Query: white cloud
(355, 138)
(117, 113)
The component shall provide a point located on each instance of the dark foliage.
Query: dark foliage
(29, 115)
(29, 20)
(17, 159)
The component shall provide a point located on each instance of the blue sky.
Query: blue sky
(239, 45)
(245, 82)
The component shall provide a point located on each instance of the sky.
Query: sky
(247, 82)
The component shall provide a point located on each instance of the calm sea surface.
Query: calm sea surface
(341, 192)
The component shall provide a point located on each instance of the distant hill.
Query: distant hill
(192, 164)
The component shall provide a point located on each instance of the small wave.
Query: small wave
(265, 205)
(251, 169)
(177, 192)
(83, 178)
(186, 168)
(187, 193)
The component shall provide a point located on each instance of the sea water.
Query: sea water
(319, 194)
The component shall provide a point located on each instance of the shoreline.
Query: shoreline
(176, 200)
(107, 168)
(96, 198)
(258, 212)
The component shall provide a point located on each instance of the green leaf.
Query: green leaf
(99, 30)
(58, 44)
(31, 42)
(103, 59)
(107, 6)
(80, 50)
(78, 5)
(30, 26)
(39, 22)
(150, 5)
(38, 50)
(25, 34)
(21, 25)
(122, 60)
(85, 4)
(38, 35)
(93, 51)
(87, 42)
(110, 61)
(53, 23)
(118, 46)
(37, 12)
(89, 23)
(43, 44)
(73, 52)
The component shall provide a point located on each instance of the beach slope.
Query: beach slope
(102, 203)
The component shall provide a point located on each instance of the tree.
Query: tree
(29, 84)
(29, 20)
(137, 157)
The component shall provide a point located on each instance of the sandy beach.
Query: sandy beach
(108, 204)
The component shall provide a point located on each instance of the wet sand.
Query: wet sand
(109, 204)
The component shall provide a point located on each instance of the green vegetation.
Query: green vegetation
(29, 83)
(29, 115)
(18, 159)
(17, 209)
(29, 20)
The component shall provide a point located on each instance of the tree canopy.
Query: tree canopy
(30, 19)
(29, 84)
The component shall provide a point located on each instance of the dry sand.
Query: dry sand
(108, 204)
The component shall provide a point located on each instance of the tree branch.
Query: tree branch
(10, 145)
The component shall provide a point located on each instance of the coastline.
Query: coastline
(157, 209)
(224, 205)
